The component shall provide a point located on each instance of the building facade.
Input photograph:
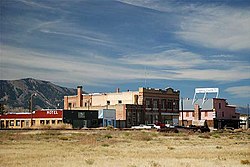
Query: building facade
(244, 121)
(216, 111)
(106, 117)
(81, 118)
(35, 119)
(145, 106)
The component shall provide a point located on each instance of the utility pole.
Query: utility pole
(182, 111)
(247, 115)
(31, 107)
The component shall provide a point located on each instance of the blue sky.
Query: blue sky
(104, 45)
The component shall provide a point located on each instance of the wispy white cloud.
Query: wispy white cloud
(75, 35)
(163, 6)
(172, 58)
(229, 75)
(239, 91)
(97, 69)
(19, 63)
(35, 4)
(179, 64)
(209, 25)
(219, 27)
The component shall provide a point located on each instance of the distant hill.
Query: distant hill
(242, 110)
(16, 93)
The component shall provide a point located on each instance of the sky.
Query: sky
(104, 44)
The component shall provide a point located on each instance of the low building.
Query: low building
(81, 118)
(107, 117)
(145, 106)
(244, 121)
(27, 120)
(216, 111)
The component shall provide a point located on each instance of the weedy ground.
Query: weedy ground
(113, 148)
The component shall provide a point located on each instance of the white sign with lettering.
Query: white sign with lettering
(54, 112)
(206, 90)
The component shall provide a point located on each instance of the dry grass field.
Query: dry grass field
(113, 148)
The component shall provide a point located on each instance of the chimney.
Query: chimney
(197, 113)
(79, 96)
(117, 90)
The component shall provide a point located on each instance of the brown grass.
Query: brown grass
(122, 148)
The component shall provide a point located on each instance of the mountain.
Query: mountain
(243, 110)
(17, 93)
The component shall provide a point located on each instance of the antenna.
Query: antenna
(145, 79)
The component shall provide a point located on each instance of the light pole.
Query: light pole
(31, 107)
(247, 115)
(182, 111)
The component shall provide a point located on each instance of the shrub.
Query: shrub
(218, 147)
(154, 134)
(216, 136)
(108, 136)
(171, 148)
(245, 162)
(132, 166)
(146, 138)
(143, 136)
(63, 138)
(205, 136)
(126, 133)
(185, 138)
(154, 164)
(110, 127)
(51, 133)
(105, 145)
(89, 161)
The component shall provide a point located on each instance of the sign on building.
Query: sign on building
(205, 91)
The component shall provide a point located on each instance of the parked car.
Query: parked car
(141, 126)
(153, 126)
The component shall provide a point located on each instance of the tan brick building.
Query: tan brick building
(147, 105)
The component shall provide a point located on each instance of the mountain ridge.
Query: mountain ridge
(17, 93)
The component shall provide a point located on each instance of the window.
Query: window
(163, 104)
(148, 103)
(12, 123)
(70, 105)
(41, 122)
(219, 105)
(53, 121)
(81, 115)
(59, 121)
(222, 114)
(47, 122)
(187, 114)
(119, 102)
(27, 123)
(85, 104)
(176, 104)
(17, 122)
(155, 104)
(108, 102)
(170, 104)
(193, 114)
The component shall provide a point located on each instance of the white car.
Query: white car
(141, 126)
(154, 126)
(149, 126)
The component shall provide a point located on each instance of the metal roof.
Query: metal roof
(187, 104)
